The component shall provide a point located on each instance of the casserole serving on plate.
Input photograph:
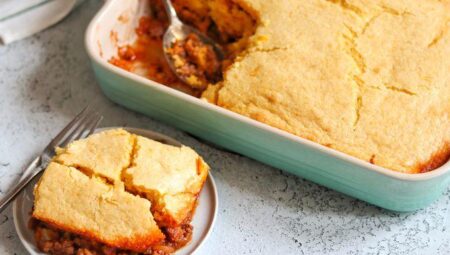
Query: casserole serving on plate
(115, 192)
(99, 215)
(114, 26)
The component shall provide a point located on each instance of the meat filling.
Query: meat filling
(225, 21)
(195, 61)
(58, 242)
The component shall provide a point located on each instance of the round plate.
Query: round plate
(203, 220)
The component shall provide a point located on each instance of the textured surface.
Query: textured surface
(105, 154)
(46, 80)
(171, 177)
(105, 213)
(368, 78)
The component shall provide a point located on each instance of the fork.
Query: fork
(83, 125)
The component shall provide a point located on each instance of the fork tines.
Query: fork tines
(84, 124)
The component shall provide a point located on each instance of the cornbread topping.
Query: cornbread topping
(145, 209)
(104, 154)
(172, 184)
(70, 200)
(367, 78)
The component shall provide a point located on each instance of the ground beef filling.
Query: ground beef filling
(196, 62)
(53, 241)
(199, 65)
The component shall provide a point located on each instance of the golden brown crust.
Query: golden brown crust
(170, 177)
(368, 84)
(69, 200)
(438, 159)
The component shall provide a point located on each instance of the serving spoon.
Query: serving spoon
(178, 31)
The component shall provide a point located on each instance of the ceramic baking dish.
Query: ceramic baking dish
(114, 26)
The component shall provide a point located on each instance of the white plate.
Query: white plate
(203, 220)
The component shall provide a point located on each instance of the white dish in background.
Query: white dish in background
(203, 220)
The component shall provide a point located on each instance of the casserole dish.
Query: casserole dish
(114, 26)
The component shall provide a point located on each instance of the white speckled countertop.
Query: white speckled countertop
(45, 80)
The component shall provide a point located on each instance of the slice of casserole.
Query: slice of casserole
(171, 177)
(116, 191)
(70, 200)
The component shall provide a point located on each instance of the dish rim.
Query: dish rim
(92, 53)
(210, 178)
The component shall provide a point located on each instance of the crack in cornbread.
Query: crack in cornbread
(89, 206)
(368, 78)
(171, 185)
(71, 201)
(99, 156)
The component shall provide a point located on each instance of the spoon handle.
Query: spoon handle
(171, 13)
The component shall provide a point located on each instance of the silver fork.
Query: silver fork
(84, 124)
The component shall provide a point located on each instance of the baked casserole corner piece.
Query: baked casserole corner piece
(169, 176)
(70, 200)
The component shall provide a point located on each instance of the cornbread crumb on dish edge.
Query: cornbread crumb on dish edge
(367, 78)
(92, 205)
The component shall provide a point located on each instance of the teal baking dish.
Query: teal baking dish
(317, 163)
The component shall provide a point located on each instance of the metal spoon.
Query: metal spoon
(177, 31)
